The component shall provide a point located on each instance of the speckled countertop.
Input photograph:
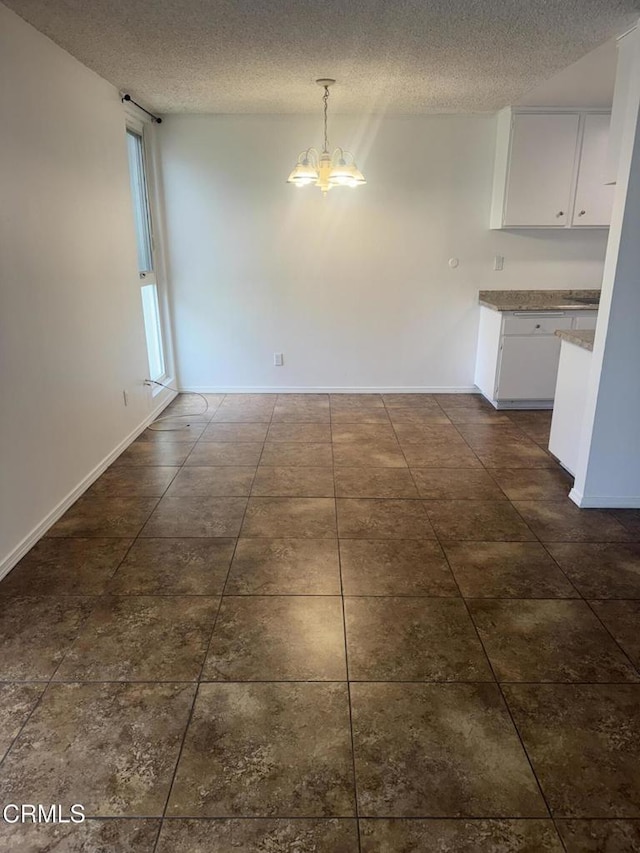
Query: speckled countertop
(580, 337)
(537, 300)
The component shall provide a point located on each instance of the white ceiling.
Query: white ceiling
(262, 56)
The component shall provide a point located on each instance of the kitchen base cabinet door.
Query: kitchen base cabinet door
(528, 367)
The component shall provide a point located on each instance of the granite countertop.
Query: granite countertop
(580, 337)
(538, 300)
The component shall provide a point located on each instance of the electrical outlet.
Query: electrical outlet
(498, 263)
(278, 359)
(125, 398)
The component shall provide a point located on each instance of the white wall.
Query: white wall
(71, 331)
(355, 288)
(608, 471)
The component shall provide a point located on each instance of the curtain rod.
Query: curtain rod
(127, 97)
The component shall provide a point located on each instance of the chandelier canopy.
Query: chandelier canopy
(322, 168)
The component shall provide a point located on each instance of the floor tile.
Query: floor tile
(92, 836)
(478, 520)
(438, 435)
(537, 425)
(369, 454)
(418, 415)
(259, 836)
(142, 638)
(629, 519)
(374, 483)
(475, 415)
(516, 454)
(17, 701)
(66, 567)
(402, 401)
(383, 519)
(216, 481)
(135, 730)
(231, 411)
(174, 567)
(301, 414)
(456, 483)
(104, 517)
(165, 453)
(226, 453)
(307, 518)
(395, 567)
(178, 430)
(439, 453)
(132, 480)
(196, 516)
(506, 570)
(293, 482)
(459, 836)
(413, 639)
(466, 401)
(285, 567)
(278, 638)
(562, 521)
(35, 633)
(297, 454)
(553, 640)
(491, 433)
(307, 433)
(584, 743)
(447, 750)
(600, 836)
(600, 570)
(266, 750)
(622, 618)
(363, 401)
(235, 432)
(359, 416)
(349, 433)
(533, 484)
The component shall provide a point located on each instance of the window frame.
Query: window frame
(143, 126)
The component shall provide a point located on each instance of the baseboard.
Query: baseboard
(38, 532)
(604, 502)
(328, 389)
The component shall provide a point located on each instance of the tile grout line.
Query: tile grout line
(198, 681)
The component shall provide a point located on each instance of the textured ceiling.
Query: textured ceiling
(262, 56)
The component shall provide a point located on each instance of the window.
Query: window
(144, 242)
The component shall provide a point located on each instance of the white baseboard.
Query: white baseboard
(328, 389)
(604, 502)
(39, 530)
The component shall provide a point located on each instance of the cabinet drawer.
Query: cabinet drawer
(534, 324)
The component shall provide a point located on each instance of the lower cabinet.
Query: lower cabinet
(518, 354)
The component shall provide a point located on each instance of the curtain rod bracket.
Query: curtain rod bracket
(127, 97)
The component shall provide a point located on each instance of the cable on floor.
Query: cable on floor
(175, 417)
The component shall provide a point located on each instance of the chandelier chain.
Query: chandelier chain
(325, 98)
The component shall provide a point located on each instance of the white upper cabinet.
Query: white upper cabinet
(549, 167)
(594, 198)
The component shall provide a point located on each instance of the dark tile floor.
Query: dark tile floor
(328, 624)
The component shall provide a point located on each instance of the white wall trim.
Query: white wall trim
(604, 501)
(39, 530)
(327, 389)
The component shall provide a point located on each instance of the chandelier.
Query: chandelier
(323, 169)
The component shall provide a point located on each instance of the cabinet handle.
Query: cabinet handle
(559, 213)
(582, 213)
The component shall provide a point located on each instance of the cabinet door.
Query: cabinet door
(528, 367)
(594, 198)
(543, 150)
